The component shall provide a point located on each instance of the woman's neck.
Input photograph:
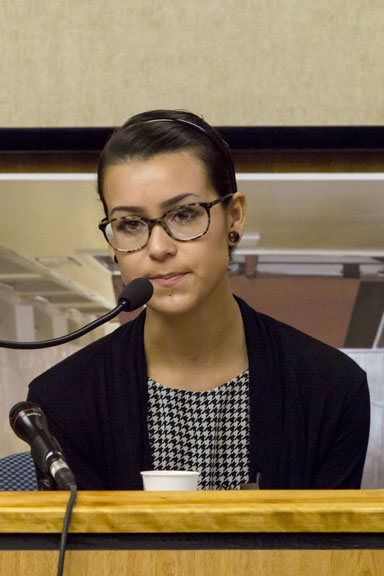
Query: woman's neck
(202, 337)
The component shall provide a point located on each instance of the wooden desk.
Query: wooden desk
(269, 533)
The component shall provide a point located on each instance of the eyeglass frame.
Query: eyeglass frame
(151, 222)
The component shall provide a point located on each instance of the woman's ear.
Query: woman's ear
(236, 213)
(113, 254)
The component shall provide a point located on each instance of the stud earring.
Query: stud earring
(234, 237)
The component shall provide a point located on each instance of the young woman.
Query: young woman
(199, 380)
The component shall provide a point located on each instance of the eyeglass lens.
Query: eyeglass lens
(183, 223)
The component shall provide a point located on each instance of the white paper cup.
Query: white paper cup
(170, 480)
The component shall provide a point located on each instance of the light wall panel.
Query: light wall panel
(250, 62)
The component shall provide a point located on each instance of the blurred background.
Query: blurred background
(295, 88)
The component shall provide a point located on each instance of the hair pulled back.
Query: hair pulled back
(165, 131)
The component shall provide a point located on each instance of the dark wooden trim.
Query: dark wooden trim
(239, 138)
(53, 139)
(197, 541)
(305, 138)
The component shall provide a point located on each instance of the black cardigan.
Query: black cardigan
(309, 409)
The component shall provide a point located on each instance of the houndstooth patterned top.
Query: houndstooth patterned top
(205, 431)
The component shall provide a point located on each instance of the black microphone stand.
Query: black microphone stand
(134, 295)
(63, 339)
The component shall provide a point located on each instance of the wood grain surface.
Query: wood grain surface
(196, 563)
(201, 511)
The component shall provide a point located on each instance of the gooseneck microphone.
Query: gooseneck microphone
(133, 296)
(29, 423)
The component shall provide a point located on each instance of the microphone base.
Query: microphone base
(45, 484)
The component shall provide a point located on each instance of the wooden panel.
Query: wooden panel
(201, 511)
(273, 161)
(201, 562)
(309, 160)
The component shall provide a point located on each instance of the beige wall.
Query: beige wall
(250, 62)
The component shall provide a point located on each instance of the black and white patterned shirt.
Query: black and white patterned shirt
(205, 431)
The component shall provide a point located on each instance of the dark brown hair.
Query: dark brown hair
(166, 131)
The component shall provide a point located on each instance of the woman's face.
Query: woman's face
(184, 274)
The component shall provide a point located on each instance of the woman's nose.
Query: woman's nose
(160, 243)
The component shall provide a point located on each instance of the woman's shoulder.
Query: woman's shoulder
(295, 347)
(90, 361)
(83, 387)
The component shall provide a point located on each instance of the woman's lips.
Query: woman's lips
(167, 280)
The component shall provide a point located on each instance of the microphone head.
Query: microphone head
(26, 419)
(135, 294)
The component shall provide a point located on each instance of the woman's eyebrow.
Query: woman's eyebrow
(140, 209)
(177, 199)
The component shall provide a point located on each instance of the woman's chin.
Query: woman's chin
(171, 303)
